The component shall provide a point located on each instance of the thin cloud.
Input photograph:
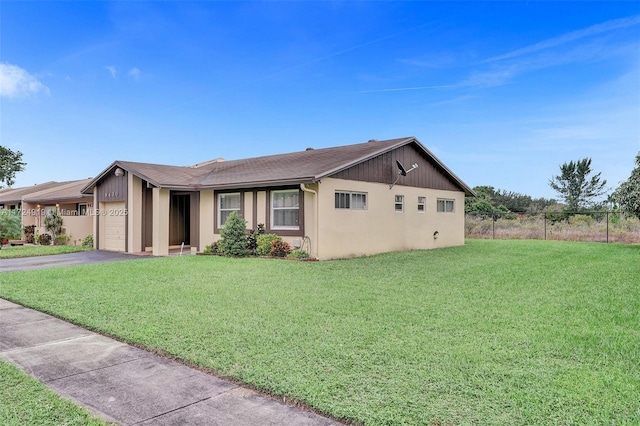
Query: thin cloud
(113, 71)
(612, 25)
(403, 89)
(547, 53)
(16, 82)
(135, 73)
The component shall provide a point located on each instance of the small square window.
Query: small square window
(399, 204)
(422, 202)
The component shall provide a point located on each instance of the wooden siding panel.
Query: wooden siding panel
(112, 188)
(383, 169)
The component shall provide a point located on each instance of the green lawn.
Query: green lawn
(30, 251)
(495, 332)
(25, 401)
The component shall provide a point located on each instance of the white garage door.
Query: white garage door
(114, 226)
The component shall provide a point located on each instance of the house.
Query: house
(65, 197)
(36, 201)
(344, 201)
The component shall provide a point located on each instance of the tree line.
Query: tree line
(579, 190)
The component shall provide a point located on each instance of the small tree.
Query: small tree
(53, 223)
(575, 187)
(234, 236)
(10, 164)
(627, 196)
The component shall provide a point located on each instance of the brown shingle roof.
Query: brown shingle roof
(306, 166)
(63, 191)
(295, 167)
(10, 195)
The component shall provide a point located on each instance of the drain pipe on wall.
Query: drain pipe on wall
(305, 189)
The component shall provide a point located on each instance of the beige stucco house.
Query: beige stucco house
(344, 201)
(36, 201)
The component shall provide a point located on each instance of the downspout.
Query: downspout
(305, 189)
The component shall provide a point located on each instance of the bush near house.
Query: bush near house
(264, 242)
(44, 239)
(29, 232)
(62, 239)
(87, 241)
(280, 248)
(234, 236)
(10, 225)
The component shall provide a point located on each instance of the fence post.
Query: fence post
(545, 226)
(493, 226)
(607, 226)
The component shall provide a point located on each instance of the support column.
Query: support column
(160, 222)
(134, 213)
(206, 218)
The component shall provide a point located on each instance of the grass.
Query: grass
(495, 332)
(25, 401)
(8, 252)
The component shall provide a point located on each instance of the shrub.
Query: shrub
(62, 239)
(298, 254)
(10, 224)
(581, 219)
(234, 236)
(264, 243)
(279, 248)
(29, 230)
(87, 241)
(212, 248)
(252, 239)
(44, 239)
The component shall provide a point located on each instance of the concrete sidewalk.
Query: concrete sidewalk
(127, 385)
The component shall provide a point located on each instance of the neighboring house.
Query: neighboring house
(332, 202)
(11, 198)
(34, 202)
(74, 207)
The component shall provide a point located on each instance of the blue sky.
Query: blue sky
(502, 92)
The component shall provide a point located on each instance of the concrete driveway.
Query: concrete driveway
(52, 261)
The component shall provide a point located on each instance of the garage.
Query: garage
(113, 217)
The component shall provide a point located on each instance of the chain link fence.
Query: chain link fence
(597, 226)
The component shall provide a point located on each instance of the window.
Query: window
(445, 206)
(351, 200)
(285, 212)
(399, 203)
(227, 203)
(82, 209)
(422, 202)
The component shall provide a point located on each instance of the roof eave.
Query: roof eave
(88, 189)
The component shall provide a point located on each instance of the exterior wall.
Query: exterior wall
(72, 223)
(379, 228)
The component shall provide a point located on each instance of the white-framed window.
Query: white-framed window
(422, 204)
(351, 200)
(227, 203)
(285, 209)
(445, 206)
(399, 204)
